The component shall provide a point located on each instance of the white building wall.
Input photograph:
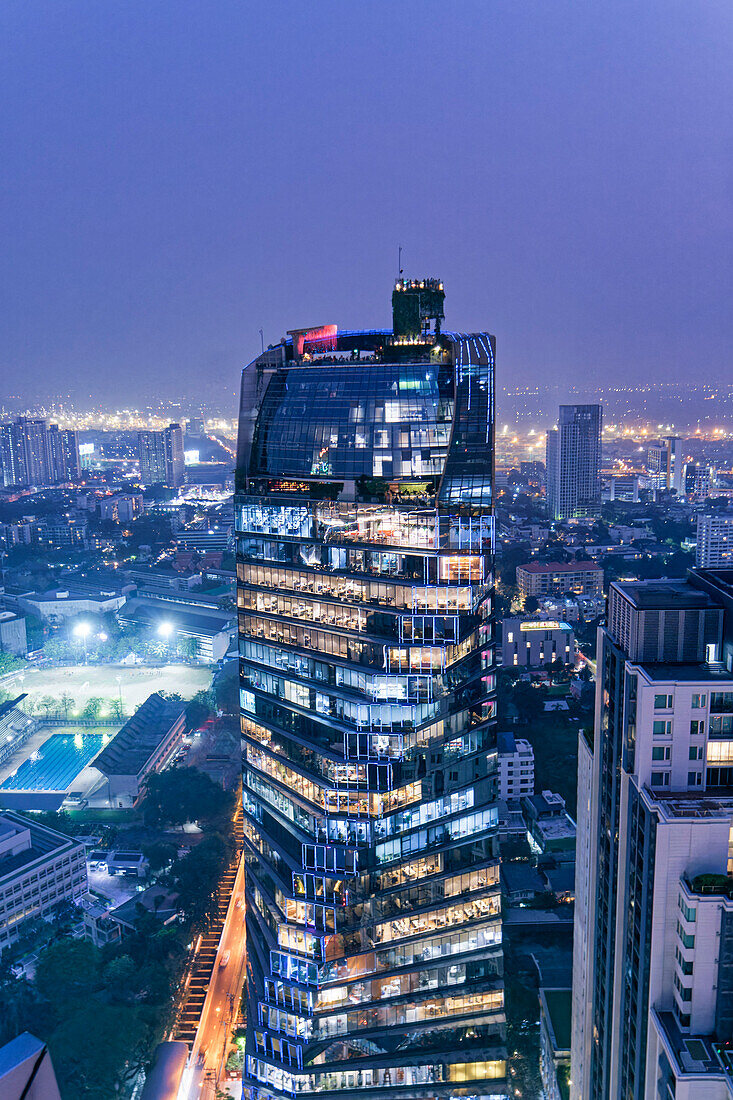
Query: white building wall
(584, 921)
(686, 847)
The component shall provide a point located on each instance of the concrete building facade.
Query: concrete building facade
(531, 643)
(38, 869)
(653, 950)
(583, 578)
(715, 541)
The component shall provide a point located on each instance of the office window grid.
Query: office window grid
(368, 715)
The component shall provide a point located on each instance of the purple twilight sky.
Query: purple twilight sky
(177, 174)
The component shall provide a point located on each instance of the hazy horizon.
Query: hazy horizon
(179, 176)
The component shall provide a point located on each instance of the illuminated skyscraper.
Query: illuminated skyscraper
(161, 456)
(574, 462)
(365, 540)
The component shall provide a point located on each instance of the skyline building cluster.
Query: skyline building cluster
(34, 452)
(365, 540)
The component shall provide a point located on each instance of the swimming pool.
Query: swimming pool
(57, 763)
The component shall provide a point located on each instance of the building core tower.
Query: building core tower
(365, 539)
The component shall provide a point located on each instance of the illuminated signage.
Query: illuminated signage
(551, 624)
(312, 340)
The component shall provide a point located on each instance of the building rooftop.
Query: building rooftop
(557, 1004)
(150, 612)
(716, 676)
(678, 804)
(561, 567)
(137, 741)
(506, 743)
(156, 900)
(547, 804)
(694, 1054)
(664, 595)
(44, 842)
(521, 876)
(720, 578)
(560, 879)
(75, 592)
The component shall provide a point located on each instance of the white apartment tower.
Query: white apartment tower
(574, 462)
(715, 541)
(653, 947)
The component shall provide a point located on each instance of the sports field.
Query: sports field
(130, 684)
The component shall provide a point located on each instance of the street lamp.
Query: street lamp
(82, 630)
(165, 631)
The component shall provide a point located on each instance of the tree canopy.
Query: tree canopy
(181, 795)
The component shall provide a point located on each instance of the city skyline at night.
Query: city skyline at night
(587, 212)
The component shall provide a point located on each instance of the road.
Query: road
(221, 1005)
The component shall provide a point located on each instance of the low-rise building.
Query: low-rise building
(538, 579)
(100, 925)
(511, 819)
(555, 1029)
(550, 830)
(126, 863)
(560, 880)
(13, 638)
(209, 629)
(520, 882)
(163, 578)
(121, 507)
(64, 603)
(156, 901)
(38, 868)
(103, 926)
(145, 744)
(531, 643)
(516, 767)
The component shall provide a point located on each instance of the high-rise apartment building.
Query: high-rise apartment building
(151, 453)
(657, 464)
(365, 537)
(715, 541)
(653, 942)
(700, 479)
(34, 438)
(70, 453)
(63, 451)
(666, 465)
(174, 460)
(34, 453)
(12, 455)
(161, 456)
(574, 462)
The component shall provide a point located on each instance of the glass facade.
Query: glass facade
(364, 585)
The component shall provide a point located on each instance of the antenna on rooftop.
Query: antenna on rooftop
(262, 339)
(399, 261)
